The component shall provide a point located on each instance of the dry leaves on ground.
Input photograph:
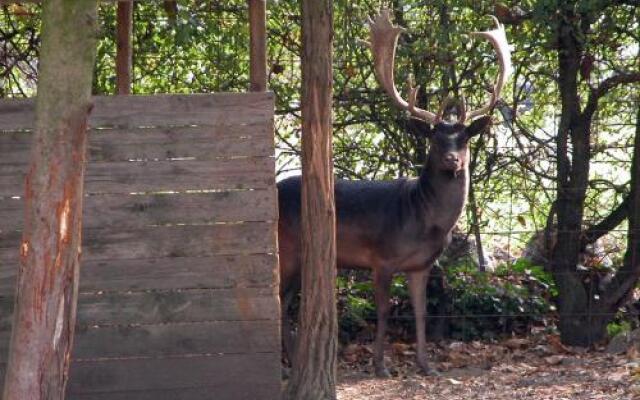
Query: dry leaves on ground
(519, 368)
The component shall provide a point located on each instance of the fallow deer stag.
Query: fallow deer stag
(400, 225)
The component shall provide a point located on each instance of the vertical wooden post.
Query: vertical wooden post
(314, 361)
(258, 45)
(124, 50)
(47, 292)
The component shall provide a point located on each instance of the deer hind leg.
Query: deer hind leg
(288, 336)
(418, 292)
(382, 284)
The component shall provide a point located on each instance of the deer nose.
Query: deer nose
(451, 158)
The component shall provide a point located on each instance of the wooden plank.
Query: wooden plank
(228, 376)
(217, 272)
(155, 307)
(163, 143)
(218, 372)
(229, 392)
(128, 211)
(220, 337)
(164, 241)
(160, 176)
(156, 110)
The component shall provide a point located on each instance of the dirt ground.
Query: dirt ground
(519, 368)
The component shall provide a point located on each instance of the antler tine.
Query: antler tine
(498, 39)
(462, 111)
(383, 42)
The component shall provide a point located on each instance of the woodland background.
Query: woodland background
(548, 241)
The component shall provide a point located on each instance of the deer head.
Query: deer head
(449, 142)
(383, 41)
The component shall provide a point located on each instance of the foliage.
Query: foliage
(617, 327)
(483, 305)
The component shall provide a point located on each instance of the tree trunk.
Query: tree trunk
(124, 50)
(45, 311)
(258, 45)
(573, 174)
(439, 315)
(583, 315)
(315, 359)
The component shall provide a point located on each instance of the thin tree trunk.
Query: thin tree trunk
(315, 359)
(573, 173)
(124, 50)
(258, 45)
(45, 311)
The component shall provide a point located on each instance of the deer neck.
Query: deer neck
(443, 194)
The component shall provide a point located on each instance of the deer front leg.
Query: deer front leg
(418, 292)
(382, 283)
(288, 338)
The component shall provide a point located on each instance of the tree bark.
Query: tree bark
(124, 50)
(45, 311)
(583, 315)
(258, 45)
(573, 173)
(315, 359)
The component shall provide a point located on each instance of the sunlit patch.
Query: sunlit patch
(64, 220)
(24, 249)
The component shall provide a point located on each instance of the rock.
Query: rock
(573, 361)
(517, 343)
(622, 342)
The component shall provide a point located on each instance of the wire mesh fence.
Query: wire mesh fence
(202, 46)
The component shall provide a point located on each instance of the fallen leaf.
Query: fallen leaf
(554, 360)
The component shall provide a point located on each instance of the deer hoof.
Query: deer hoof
(427, 370)
(382, 372)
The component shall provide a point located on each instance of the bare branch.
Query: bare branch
(604, 87)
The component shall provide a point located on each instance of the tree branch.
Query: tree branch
(603, 227)
(604, 87)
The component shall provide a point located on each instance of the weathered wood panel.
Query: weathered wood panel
(179, 273)
(160, 143)
(157, 110)
(198, 305)
(217, 272)
(235, 391)
(235, 337)
(160, 176)
(226, 376)
(164, 241)
(219, 371)
(122, 212)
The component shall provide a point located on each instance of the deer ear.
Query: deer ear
(478, 125)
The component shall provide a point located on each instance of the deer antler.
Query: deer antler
(384, 39)
(498, 39)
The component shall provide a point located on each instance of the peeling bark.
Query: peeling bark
(45, 311)
(315, 359)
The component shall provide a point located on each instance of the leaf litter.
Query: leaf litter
(539, 368)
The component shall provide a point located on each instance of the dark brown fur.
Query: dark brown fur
(389, 227)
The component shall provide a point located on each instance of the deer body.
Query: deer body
(401, 225)
(387, 226)
(382, 224)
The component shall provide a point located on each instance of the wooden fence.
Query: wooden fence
(178, 287)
